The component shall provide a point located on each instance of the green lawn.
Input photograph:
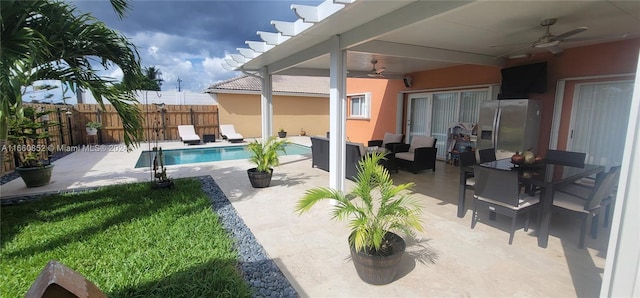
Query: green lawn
(129, 240)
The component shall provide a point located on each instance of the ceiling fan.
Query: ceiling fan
(548, 40)
(375, 73)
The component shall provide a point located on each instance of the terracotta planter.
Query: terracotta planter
(376, 269)
(37, 176)
(259, 179)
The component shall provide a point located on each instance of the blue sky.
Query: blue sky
(190, 39)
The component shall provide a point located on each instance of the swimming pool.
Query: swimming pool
(198, 155)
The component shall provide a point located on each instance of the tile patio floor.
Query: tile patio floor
(312, 250)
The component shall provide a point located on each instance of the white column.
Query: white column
(337, 115)
(266, 103)
(622, 268)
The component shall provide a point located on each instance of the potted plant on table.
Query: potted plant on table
(265, 155)
(28, 137)
(92, 128)
(380, 209)
(281, 133)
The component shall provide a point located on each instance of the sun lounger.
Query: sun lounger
(228, 132)
(188, 135)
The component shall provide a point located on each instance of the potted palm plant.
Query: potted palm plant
(379, 210)
(265, 155)
(282, 133)
(28, 134)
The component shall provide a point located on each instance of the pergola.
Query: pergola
(341, 38)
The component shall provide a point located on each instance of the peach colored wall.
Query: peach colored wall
(292, 113)
(610, 58)
(383, 108)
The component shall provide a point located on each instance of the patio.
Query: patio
(312, 252)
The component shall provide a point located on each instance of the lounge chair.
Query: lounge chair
(188, 135)
(228, 132)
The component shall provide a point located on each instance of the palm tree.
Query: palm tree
(48, 40)
(153, 77)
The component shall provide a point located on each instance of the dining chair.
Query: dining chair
(487, 155)
(586, 207)
(467, 160)
(565, 157)
(583, 188)
(499, 191)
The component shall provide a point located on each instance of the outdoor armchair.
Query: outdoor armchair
(388, 141)
(419, 155)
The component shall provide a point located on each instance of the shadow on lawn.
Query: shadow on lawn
(140, 202)
(210, 279)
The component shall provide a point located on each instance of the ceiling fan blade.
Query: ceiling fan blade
(602, 37)
(569, 33)
(554, 49)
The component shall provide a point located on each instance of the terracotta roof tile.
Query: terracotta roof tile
(281, 84)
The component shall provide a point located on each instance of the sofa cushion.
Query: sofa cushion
(391, 138)
(405, 155)
(420, 142)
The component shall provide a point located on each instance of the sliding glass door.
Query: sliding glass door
(431, 114)
(599, 118)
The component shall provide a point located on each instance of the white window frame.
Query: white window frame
(366, 105)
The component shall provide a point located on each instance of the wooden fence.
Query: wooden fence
(161, 122)
(204, 118)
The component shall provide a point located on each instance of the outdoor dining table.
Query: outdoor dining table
(544, 176)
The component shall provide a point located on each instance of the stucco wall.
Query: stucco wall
(292, 113)
(383, 108)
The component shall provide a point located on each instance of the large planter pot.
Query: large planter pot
(37, 176)
(377, 269)
(259, 179)
(92, 131)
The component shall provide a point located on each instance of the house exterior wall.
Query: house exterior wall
(383, 108)
(291, 113)
(599, 60)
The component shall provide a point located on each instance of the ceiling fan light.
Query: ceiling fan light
(547, 44)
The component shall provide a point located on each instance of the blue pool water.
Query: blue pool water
(197, 155)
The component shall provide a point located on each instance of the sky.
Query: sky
(188, 40)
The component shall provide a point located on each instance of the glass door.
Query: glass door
(418, 115)
(599, 118)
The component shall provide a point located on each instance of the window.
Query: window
(359, 106)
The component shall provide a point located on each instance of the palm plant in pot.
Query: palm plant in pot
(379, 210)
(265, 155)
(27, 135)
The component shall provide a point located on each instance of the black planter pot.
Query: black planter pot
(259, 179)
(37, 176)
(376, 269)
(282, 134)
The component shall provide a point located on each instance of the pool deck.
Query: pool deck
(448, 259)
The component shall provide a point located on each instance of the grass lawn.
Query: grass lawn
(129, 240)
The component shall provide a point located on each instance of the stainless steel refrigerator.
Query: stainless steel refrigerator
(509, 125)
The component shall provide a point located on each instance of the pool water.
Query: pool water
(198, 155)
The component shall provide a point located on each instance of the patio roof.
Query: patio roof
(410, 36)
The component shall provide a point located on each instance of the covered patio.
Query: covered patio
(341, 39)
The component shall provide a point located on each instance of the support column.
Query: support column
(337, 115)
(266, 103)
